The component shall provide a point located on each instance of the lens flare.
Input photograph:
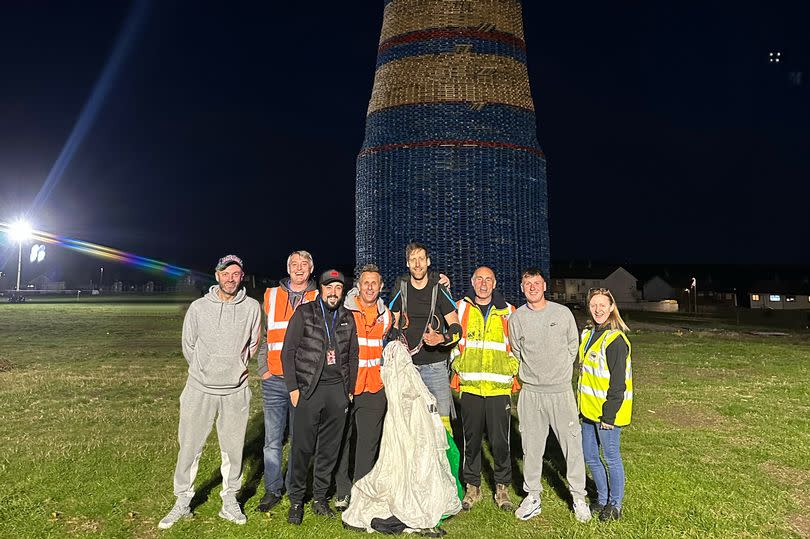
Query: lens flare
(101, 251)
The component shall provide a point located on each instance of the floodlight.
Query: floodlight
(20, 231)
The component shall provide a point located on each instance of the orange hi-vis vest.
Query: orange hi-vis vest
(370, 334)
(278, 310)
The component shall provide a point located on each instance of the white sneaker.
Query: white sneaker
(342, 502)
(529, 507)
(232, 512)
(581, 511)
(180, 510)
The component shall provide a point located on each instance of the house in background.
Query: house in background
(42, 282)
(780, 295)
(657, 289)
(570, 283)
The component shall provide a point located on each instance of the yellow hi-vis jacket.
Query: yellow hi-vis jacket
(595, 378)
(483, 358)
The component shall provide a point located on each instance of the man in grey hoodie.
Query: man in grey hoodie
(544, 337)
(220, 334)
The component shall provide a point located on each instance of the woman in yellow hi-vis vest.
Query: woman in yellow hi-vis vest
(605, 399)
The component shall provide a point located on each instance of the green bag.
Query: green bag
(454, 458)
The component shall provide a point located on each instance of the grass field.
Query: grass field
(719, 446)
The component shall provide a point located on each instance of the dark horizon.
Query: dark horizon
(227, 130)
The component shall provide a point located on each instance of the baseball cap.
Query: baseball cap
(227, 260)
(331, 276)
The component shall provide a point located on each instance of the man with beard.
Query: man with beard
(320, 358)
(220, 333)
(280, 302)
(425, 314)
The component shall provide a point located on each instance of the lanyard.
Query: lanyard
(486, 314)
(334, 317)
(590, 339)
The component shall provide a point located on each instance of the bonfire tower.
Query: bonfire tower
(450, 156)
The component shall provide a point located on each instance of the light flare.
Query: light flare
(101, 251)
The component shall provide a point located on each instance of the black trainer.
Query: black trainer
(321, 507)
(296, 514)
(610, 512)
(268, 501)
(596, 508)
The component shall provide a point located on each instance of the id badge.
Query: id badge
(330, 356)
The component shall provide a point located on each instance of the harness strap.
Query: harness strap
(403, 318)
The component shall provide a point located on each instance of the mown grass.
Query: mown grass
(88, 416)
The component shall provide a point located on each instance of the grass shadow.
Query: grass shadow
(252, 458)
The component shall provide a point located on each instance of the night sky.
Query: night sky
(669, 135)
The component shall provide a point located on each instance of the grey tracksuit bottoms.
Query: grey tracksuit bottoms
(538, 411)
(198, 411)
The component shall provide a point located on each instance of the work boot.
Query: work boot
(472, 495)
(502, 498)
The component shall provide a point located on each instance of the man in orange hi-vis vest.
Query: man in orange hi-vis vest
(373, 320)
(279, 305)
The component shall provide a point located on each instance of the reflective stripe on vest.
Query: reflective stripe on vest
(628, 395)
(278, 312)
(486, 376)
(482, 357)
(362, 341)
(365, 363)
(370, 340)
(486, 345)
(594, 381)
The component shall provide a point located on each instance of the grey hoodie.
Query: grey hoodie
(218, 340)
(546, 343)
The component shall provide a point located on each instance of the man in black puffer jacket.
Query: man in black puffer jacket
(320, 360)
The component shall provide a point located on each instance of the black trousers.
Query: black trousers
(366, 419)
(318, 426)
(493, 414)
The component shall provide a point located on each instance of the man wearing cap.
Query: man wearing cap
(280, 302)
(221, 331)
(320, 358)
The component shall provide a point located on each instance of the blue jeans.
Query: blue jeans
(277, 410)
(592, 437)
(437, 379)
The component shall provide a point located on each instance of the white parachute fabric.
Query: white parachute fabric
(411, 479)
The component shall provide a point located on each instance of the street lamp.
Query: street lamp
(688, 299)
(101, 279)
(694, 292)
(19, 231)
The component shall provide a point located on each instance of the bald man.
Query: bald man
(485, 371)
